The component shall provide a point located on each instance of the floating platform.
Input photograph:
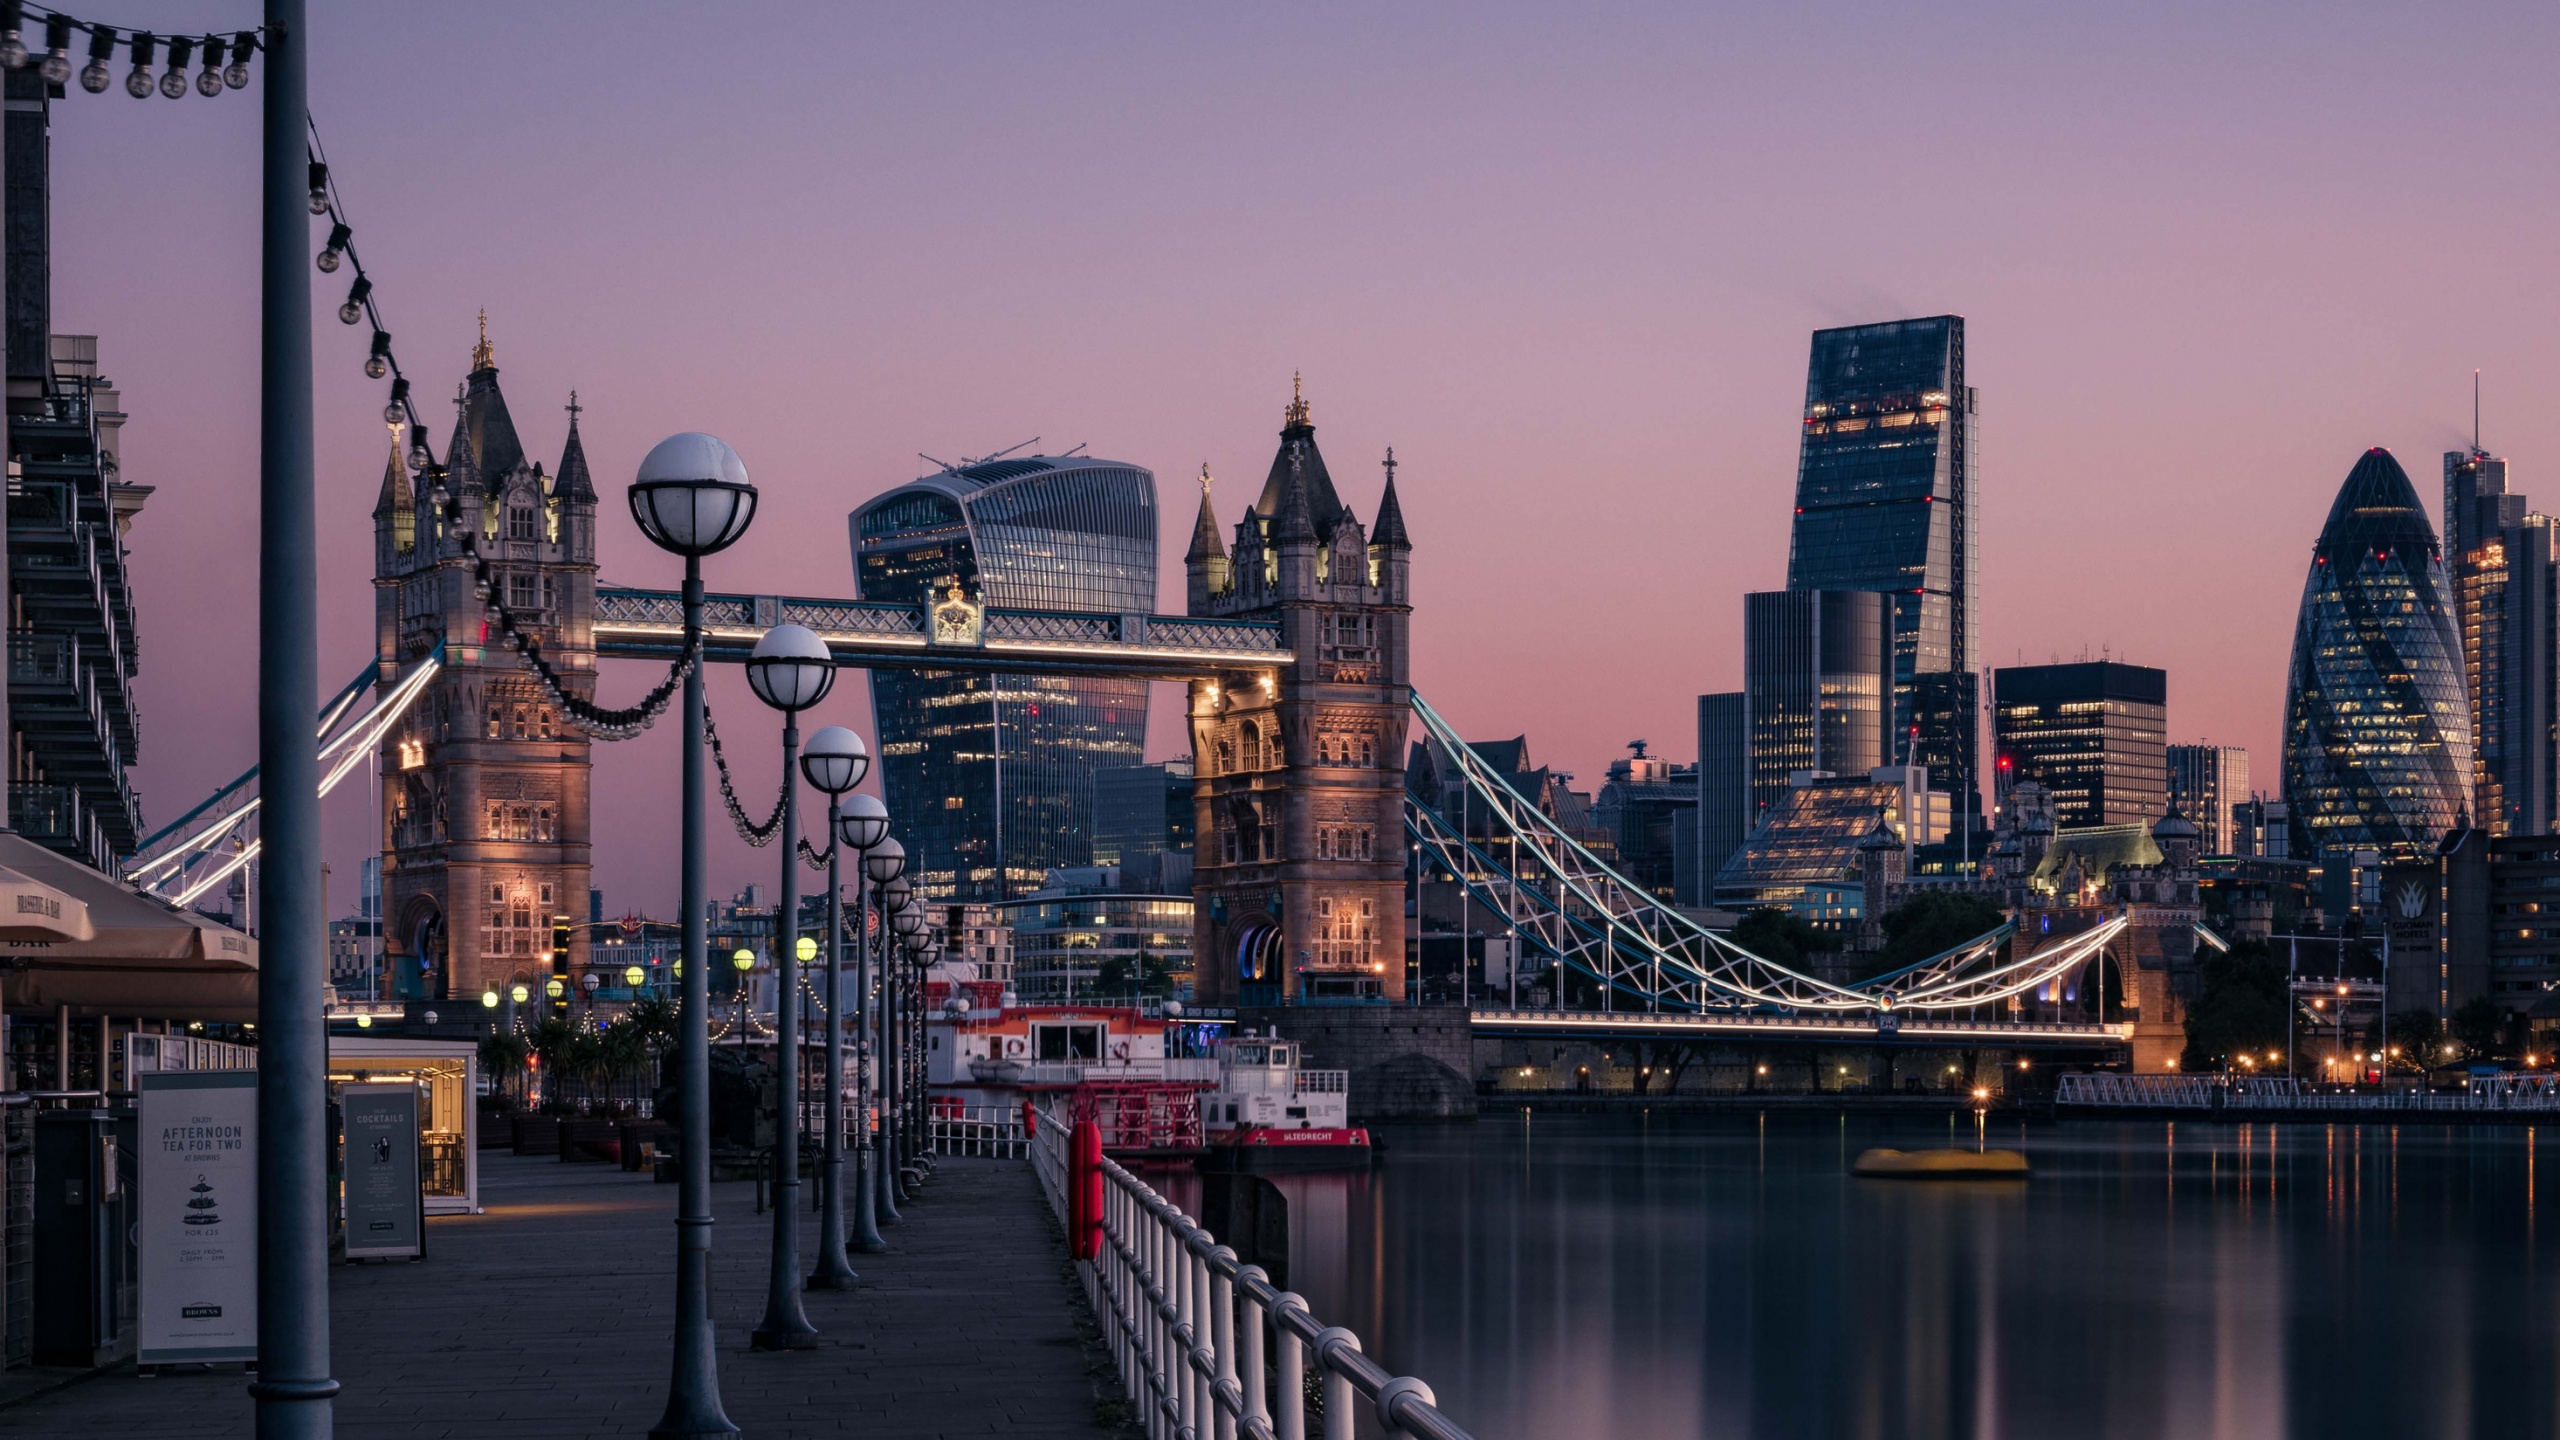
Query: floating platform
(1941, 1165)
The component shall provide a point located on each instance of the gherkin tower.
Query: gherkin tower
(2377, 740)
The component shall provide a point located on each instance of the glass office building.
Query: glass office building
(1885, 502)
(2377, 734)
(2095, 734)
(991, 776)
(1817, 672)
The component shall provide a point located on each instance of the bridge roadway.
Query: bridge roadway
(1864, 1030)
(877, 635)
(548, 1317)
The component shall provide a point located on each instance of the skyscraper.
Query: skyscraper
(2095, 734)
(992, 775)
(2498, 568)
(1724, 783)
(1885, 502)
(1817, 672)
(2206, 784)
(2377, 742)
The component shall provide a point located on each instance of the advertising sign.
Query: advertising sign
(197, 1221)
(386, 1210)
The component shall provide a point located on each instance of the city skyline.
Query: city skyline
(1646, 371)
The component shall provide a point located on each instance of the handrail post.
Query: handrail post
(1250, 1378)
(1290, 1385)
(1337, 1386)
(1222, 1330)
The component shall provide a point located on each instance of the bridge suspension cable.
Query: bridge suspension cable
(183, 860)
(1557, 898)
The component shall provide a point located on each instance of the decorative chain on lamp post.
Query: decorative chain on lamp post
(834, 763)
(789, 670)
(892, 1053)
(692, 498)
(909, 925)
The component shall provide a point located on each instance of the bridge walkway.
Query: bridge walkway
(548, 1316)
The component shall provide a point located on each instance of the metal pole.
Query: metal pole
(884, 1170)
(294, 1392)
(866, 1225)
(833, 1272)
(785, 1326)
(693, 1383)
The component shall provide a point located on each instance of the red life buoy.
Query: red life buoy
(1120, 1051)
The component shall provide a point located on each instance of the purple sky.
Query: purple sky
(1564, 259)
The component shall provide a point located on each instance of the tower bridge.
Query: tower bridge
(1296, 648)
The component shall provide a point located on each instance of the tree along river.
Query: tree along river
(1722, 1274)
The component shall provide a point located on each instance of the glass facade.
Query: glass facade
(1803, 856)
(991, 776)
(2208, 784)
(2377, 743)
(2498, 570)
(1816, 669)
(1096, 947)
(2095, 734)
(1885, 494)
(1142, 810)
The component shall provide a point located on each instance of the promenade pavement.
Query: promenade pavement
(549, 1316)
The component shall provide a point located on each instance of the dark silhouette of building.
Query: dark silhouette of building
(2377, 741)
(2499, 576)
(992, 775)
(1724, 785)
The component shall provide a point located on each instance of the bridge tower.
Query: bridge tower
(1299, 876)
(485, 786)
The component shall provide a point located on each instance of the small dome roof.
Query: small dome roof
(2174, 826)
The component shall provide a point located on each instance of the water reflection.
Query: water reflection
(1723, 1275)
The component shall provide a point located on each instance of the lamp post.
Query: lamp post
(833, 764)
(744, 960)
(884, 865)
(692, 498)
(893, 899)
(789, 670)
(862, 825)
(909, 925)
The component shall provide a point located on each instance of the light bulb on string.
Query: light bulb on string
(319, 188)
(13, 50)
(209, 79)
(94, 76)
(378, 364)
(138, 84)
(336, 249)
(236, 74)
(56, 68)
(398, 409)
(420, 457)
(173, 81)
(357, 294)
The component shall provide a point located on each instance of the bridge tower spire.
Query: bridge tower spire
(1299, 878)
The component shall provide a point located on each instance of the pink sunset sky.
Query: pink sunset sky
(1564, 259)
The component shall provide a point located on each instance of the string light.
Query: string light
(335, 250)
(353, 311)
(55, 67)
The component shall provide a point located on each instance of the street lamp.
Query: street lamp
(908, 924)
(894, 897)
(789, 670)
(833, 764)
(692, 498)
(884, 863)
(743, 960)
(919, 1128)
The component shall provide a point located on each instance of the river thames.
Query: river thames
(1723, 1275)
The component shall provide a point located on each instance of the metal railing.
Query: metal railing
(994, 1131)
(1190, 1328)
(2249, 1093)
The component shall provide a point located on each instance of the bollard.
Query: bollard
(1030, 1123)
(1084, 1190)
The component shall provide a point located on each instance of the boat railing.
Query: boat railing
(1079, 1072)
(1191, 1329)
(994, 1131)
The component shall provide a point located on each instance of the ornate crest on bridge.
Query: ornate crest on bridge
(955, 619)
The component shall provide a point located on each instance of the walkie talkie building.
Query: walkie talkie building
(2377, 734)
(990, 777)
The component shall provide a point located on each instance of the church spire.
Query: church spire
(1295, 523)
(483, 357)
(1389, 531)
(1205, 544)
